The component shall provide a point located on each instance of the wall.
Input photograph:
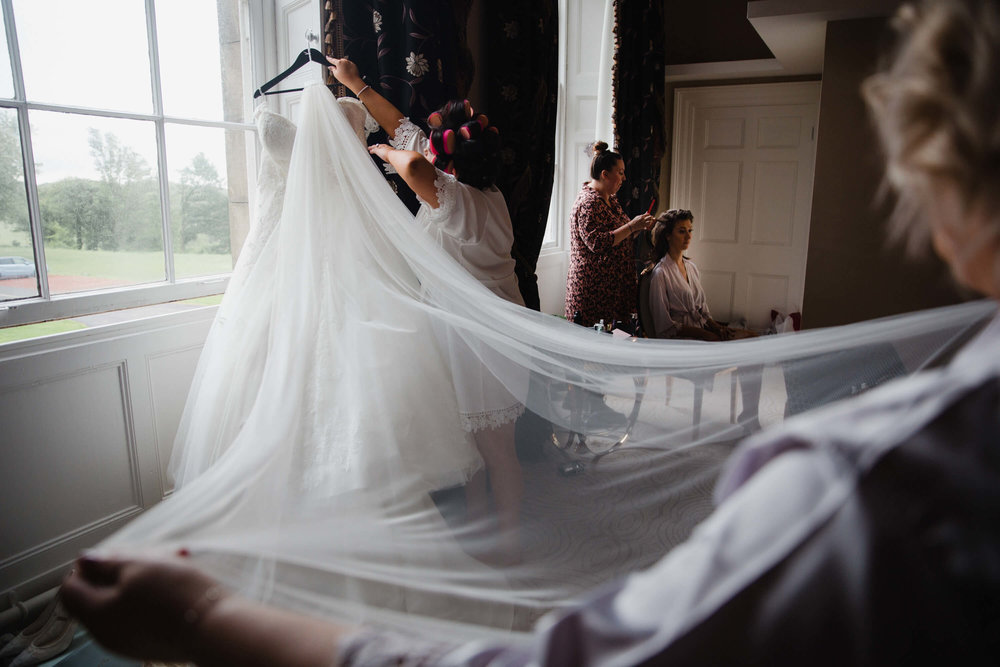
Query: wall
(88, 422)
(851, 274)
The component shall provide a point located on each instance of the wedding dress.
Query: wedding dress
(331, 448)
(236, 353)
(323, 425)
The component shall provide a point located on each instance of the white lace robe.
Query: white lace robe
(474, 227)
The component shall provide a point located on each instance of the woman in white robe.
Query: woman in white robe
(452, 173)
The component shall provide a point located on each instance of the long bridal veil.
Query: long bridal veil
(321, 456)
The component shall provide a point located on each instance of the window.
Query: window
(585, 112)
(124, 153)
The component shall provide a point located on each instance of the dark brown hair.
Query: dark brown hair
(664, 227)
(604, 159)
(475, 158)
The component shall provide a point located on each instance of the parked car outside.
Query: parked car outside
(16, 267)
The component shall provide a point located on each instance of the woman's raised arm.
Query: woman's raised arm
(382, 110)
(413, 168)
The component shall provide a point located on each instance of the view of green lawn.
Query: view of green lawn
(27, 331)
(117, 267)
(213, 300)
(129, 267)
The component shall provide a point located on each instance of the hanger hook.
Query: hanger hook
(310, 38)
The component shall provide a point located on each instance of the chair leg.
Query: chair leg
(732, 397)
(698, 393)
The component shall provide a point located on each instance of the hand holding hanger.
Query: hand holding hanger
(306, 56)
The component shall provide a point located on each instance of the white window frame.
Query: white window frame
(584, 85)
(583, 115)
(254, 25)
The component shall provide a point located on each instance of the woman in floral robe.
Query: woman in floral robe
(601, 284)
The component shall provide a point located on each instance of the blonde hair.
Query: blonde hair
(936, 107)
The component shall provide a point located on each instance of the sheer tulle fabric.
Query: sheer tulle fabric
(322, 431)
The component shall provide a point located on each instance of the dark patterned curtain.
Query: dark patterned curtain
(412, 52)
(638, 99)
(523, 40)
(415, 53)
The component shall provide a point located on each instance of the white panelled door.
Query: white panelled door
(743, 164)
(293, 18)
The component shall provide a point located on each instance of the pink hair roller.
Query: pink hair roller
(448, 141)
(435, 119)
(471, 130)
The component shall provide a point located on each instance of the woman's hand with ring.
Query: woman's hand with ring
(380, 150)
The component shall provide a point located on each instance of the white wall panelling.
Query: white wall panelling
(168, 390)
(88, 420)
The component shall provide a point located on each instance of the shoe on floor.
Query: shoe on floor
(50, 642)
(23, 639)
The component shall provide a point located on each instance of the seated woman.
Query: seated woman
(678, 305)
(676, 297)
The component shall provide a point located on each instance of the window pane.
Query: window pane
(190, 65)
(6, 76)
(17, 257)
(551, 237)
(200, 187)
(103, 57)
(100, 201)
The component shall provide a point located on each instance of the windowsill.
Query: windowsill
(67, 306)
(75, 325)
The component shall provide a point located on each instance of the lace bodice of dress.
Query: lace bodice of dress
(357, 115)
(277, 136)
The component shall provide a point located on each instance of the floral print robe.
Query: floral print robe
(601, 283)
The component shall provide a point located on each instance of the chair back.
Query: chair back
(642, 299)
